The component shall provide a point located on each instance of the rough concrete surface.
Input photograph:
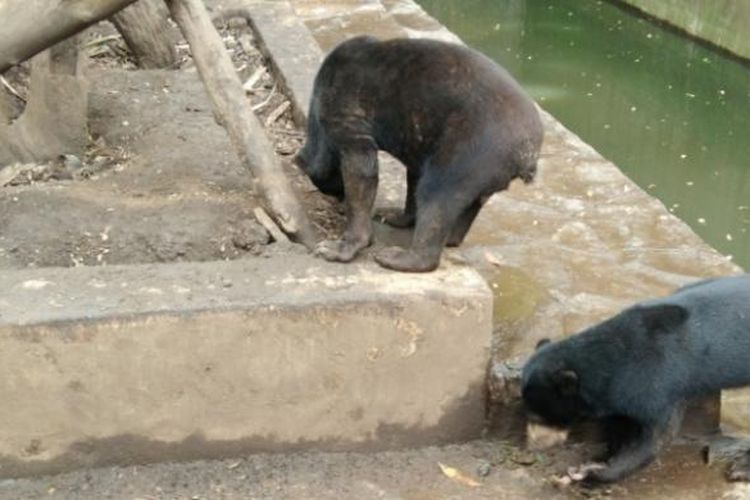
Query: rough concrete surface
(124, 364)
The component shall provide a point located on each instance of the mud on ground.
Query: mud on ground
(160, 181)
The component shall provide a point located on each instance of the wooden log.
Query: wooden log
(30, 26)
(146, 31)
(233, 110)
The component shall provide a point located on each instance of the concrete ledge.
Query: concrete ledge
(117, 365)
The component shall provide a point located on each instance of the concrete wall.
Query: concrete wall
(132, 364)
(720, 22)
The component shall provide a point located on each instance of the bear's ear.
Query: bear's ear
(566, 382)
(663, 317)
(541, 343)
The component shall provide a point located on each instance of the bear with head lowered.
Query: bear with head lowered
(635, 371)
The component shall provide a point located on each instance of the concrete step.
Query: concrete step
(133, 364)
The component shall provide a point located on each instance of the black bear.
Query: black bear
(461, 125)
(635, 371)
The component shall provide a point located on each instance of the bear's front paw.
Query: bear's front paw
(337, 250)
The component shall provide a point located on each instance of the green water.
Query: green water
(670, 113)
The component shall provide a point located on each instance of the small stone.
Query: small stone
(285, 148)
(71, 162)
(237, 23)
(524, 457)
(249, 235)
(484, 468)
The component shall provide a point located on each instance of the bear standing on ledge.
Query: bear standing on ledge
(635, 370)
(460, 124)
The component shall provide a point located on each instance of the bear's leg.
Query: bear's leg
(435, 219)
(463, 224)
(407, 217)
(635, 444)
(359, 169)
(637, 447)
(617, 432)
(631, 456)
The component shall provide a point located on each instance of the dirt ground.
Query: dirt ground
(489, 468)
(160, 181)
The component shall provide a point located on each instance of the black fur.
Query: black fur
(637, 369)
(459, 123)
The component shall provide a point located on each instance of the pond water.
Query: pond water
(671, 113)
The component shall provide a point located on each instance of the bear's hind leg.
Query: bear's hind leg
(407, 217)
(436, 217)
(463, 224)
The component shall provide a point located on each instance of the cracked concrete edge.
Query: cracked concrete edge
(71, 294)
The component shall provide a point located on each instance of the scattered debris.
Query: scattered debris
(9, 173)
(102, 40)
(560, 481)
(253, 80)
(265, 220)
(259, 106)
(276, 113)
(524, 457)
(11, 89)
(541, 437)
(246, 43)
(458, 476)
(484, 468)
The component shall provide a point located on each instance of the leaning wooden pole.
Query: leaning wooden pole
(30, 26)
(233, 110)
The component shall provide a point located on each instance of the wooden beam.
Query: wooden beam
(233, 110)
